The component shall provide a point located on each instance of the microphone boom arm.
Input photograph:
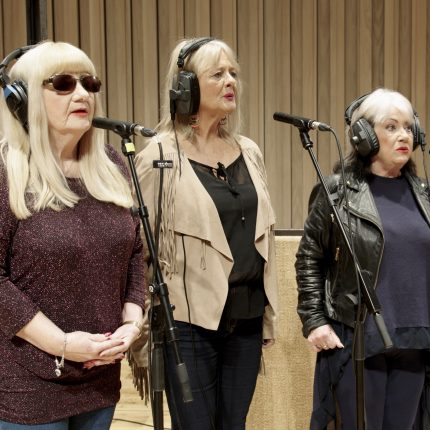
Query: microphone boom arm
(123, 128)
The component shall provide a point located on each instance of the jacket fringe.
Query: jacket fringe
(140, 376)
(255, 158)
(167, 245)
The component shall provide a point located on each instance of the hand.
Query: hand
(324, 337)
(80, 346)
(83, 347)
(267, 343)
(126, 335)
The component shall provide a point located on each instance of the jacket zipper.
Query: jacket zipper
(383, 243)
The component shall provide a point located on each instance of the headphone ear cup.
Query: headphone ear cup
(185, 94)
(364, 138)
(15, 95)
(418, 133)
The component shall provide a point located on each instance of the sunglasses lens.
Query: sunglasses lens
(67, 83)
(64, 83)
(91, 83)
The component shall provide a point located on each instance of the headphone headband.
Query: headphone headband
(14, 55)
(15, 93)
(355, 104)
(190, 47)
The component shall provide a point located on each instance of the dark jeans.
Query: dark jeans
(99, 419)
(222, 368)
(393, 386)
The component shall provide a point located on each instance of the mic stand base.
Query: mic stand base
(157, 368)
(358, 357)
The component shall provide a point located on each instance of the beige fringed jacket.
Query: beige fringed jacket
(191, 229)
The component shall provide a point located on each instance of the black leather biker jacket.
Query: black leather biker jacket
(327, 286)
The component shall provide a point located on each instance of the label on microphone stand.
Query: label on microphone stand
(162, 164)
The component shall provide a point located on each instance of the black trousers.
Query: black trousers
(394, 383)
(223, 366)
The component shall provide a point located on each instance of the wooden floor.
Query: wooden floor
(131, 412)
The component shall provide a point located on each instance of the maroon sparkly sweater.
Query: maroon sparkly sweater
(78, 266)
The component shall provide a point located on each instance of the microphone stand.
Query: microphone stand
(370, 299)
(164, 321)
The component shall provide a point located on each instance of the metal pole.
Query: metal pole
(37, 28)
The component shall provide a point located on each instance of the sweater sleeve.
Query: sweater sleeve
(16, 309)
(137, 289)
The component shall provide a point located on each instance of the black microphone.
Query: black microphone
(122, 128)
(300, 122)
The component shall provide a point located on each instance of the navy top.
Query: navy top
(404, 275)
(235, 198)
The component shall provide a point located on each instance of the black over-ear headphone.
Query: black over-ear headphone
(363, 136)
(15, 93)
(185, 91)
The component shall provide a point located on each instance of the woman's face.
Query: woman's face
(218, 89)
(395, 137)
(69, 112)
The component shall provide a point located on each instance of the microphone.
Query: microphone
(122, 128)
(300, 122)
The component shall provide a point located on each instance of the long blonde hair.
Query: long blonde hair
(198, 62)
(31, 167)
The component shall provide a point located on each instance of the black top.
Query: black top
(235, 198)
(404, 274)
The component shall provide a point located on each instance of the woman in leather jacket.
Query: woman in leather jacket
(389, 228)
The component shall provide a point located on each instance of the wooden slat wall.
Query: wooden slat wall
(306, 57)
(12, 25)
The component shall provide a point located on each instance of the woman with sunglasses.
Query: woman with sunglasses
(71, 271)
(216, 236)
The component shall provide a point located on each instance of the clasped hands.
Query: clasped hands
(100, 349)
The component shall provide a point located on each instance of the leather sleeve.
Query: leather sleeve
(312, 260)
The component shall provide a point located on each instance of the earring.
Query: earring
(223, 121)
(194, 121)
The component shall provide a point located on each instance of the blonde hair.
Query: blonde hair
(32, 170)
(198, 62)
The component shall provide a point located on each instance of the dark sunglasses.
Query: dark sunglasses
(67, 83)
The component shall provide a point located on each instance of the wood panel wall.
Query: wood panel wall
(305, 57)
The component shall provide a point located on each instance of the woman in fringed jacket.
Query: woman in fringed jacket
(216, 238)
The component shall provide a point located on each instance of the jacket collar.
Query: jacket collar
(361, 200)
(265, 213)
(204, 221)
(421, 192)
